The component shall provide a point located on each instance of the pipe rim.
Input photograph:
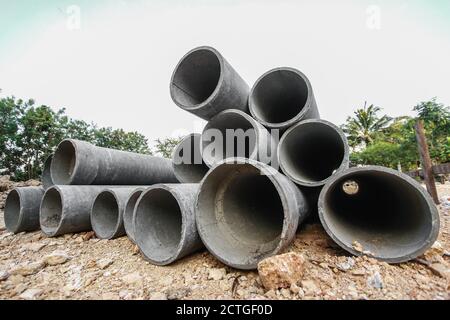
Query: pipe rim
(111, 233)
(54, 164)
(46, 177)
(252, 105)
(19, 220)
(181, 206)
(179, 175)
(216, 89)
(269, 172)
(128, 223)
(51, 232)
(435, 219)
(342, 167)
(248, 119)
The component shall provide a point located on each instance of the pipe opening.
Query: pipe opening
(196, 78)
(388, 216)
(158, 225)
(51, 211)
(63, 163)
(12, 211)
(279, 96)
(240, 213)
(105, 215)
(46, 178)
(312, 152)
(238, 144)
(128, 214)
(188, 162)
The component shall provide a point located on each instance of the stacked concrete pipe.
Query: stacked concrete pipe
(164, 222)
(22, 209)
(187, 161)
(46, 177)
(247, 211)
(205, 84)
(129, 212)
(379, 212)
(81, 163)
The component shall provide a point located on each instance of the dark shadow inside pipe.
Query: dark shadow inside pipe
(279, 96)
(158, 225)
(129, 209)
(105, 214)
(12, 210)
(196, 78)
(193, 169)
(312, 152)
(51, 210)
(240, 212)
(387, 215)
(63, 163)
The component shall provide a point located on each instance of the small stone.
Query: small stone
(271, 294)
(295, 288)
(357, 246)
(310, 287)
(4, 275)
(28, 269)
(31, 294)
(375, 281)
(217, 274)
(440, 270)
(281, 271)
(285, 293)
(103, 263)
(56, 258)
(177, 293)
(88, 235)
(34, 246)
(132, 278)
(158, 296)
(347, 265)
(359, 272)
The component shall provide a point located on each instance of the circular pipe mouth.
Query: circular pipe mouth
(240, 214)
(280, 97)
(230, 134)
(128, 213)
(196, 78)
(105, 216)
(46, 178)
(379, 212)
(64, 163)
(51, 211)
(312, 151)
(159, 225)
(187, 160)
(13, 211)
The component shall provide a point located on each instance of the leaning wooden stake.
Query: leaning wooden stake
(426, 161)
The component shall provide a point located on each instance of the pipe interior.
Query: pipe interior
(196, 78)
(63, 163)
(238, 143)
(387, 216)
(158, 225)
(240, 213)
(188, 162)
(312, 152)
(279, 96)
(105, 214)
(129, 209)
(12, 210)
(46, 177)
(51, 210)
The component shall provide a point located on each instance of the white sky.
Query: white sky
(115, 70)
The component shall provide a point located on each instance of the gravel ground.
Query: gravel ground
(81, 266)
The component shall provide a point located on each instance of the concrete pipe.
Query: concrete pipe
(235, 134)
(204, 84)
(187, 161)
(379, 212)
(129, 211)
(311, 151)
(81, 163)
(22, 209)
(66, 209)
(108, 210)
(46, 177)
(164, 222)
(282, 97)
(247, 211)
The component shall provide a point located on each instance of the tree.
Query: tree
(364, 126)
(165, 147)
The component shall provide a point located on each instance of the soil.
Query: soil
(80, 266)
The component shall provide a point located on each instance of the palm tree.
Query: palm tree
(362, 128)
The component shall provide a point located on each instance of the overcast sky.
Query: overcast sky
(110, 61)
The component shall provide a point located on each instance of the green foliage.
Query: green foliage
(165, 147)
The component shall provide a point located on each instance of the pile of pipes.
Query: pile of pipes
(264, 164)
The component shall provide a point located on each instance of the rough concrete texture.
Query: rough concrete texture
(379, 212)
(282, 97)
(204, 83)
(187, 161)
(22, 209)
(46, 177)
(129, 211)
(259, 145)
(107, 212)
(281, 271)
(81, 163)
(247, 211)
(164, 223)
(311, 151)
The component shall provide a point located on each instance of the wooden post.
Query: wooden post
(425, 160)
